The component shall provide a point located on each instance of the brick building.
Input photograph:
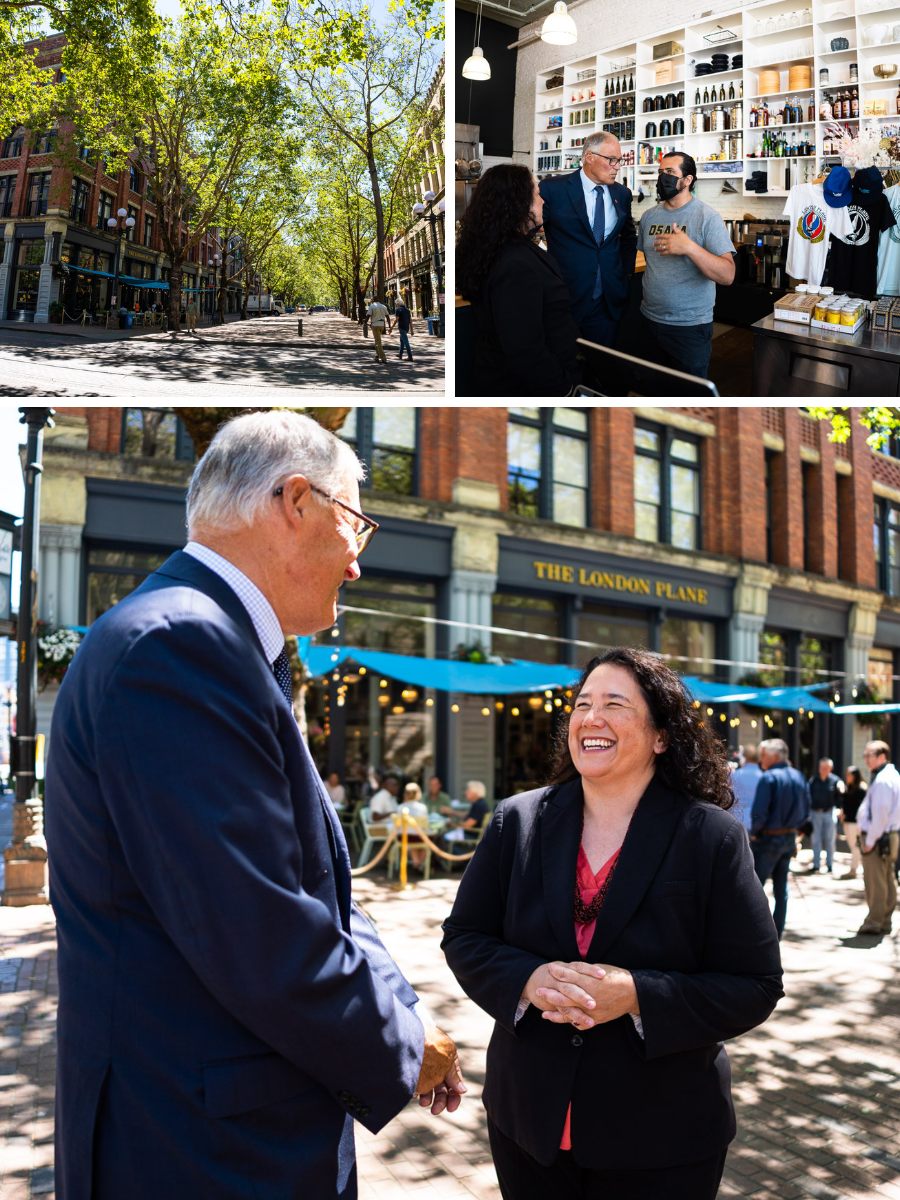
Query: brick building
(740, 541)
(409, 268)
(57, 247)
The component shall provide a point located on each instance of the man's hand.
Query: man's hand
(610, 988)
(448, 1094)
(548, 992)
(676, 242)
(437, 1062)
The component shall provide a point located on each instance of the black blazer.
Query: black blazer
(527, 344)
(684, 912)
(570, 240)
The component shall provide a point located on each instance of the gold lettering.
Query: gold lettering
(644, 587)
(608, 581)
(702, 596)
(596, 579)
(660, 588)
(568, 574)
(582, 577)
(691, 594)
(540, 567)
(554, 571)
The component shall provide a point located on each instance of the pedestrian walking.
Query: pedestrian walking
(781, 807)
(403, 324)
(377, 315)
(825, 792)
(744, 782)
(191, 312)
(225, 1011)
(853, 797)
(663, 950)
(879, 828)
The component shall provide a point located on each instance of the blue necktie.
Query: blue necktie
(282, 668)
(599, 233)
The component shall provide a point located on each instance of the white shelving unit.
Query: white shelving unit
(763, 48)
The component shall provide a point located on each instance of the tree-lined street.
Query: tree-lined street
(264, 356)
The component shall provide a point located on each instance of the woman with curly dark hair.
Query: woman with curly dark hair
(527, 343)
(613, 926)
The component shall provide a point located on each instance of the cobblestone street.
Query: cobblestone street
(817, 1088)
(264, 356)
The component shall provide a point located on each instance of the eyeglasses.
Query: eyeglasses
(613, 162)
(872, 753)
(363, 533)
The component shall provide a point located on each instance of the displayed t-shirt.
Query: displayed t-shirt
(854, 255)
(675, 291)
(889, 250)
(812, 223)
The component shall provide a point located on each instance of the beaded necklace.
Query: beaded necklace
(585, 913)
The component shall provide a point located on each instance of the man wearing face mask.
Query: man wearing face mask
(688, 251)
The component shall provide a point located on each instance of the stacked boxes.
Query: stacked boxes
(797, 307)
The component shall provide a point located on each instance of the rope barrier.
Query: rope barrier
(378, 857)
(403, 823)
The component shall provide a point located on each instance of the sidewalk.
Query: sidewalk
(817, 1089)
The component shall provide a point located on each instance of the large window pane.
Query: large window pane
(570, 460)
(687, 451)
(571, 418)
(569, 505)
(530, 614)
(646, 480)
(150, 432)
(348, 430)
(646, 439)
(646, 522)
(106, 590)
(773, 652)
(693, 641)
(685, 490)
(395, 427)
(523, 455)
(392, 472)
(684, 531)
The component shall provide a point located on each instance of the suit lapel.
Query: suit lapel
(576, 195)
(561, 821)
(643, 851)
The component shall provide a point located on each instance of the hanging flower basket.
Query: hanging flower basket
(56, 649)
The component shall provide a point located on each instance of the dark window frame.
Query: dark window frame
(12, 146)
(79, 198)
(36, 201)
(547, 427)
(104, 210)
(668, 434)
(7, 195)
(148, 230)
(888, 576)
(365, 445)
(184, 446)
(767, 476)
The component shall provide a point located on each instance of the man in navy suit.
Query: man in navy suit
(590, 233)
(225, 1011)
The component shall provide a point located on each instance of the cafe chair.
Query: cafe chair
(371, 833)
(394, 852)
(467, 845)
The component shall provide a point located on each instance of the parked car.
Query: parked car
(318, 308)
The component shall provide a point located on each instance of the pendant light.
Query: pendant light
(559, 28)
(477, 66)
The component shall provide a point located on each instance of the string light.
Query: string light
(362, 670)
(499, 705)
(514, 712)
(454, 708)
(709, 712)
(557, 702)
(485, 712)
(548, 707)
(429, 703)
(752, 724)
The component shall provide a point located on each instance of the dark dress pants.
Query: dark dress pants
(772, 854)
(524, 1178)
(684, 348)
(598, 325)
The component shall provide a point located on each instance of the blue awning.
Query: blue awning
(132, 281)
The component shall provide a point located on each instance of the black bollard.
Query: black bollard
(299, 328)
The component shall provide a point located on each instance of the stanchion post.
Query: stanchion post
(402, 885)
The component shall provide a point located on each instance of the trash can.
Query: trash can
(299, 329)
(122, 319)
(129, 320)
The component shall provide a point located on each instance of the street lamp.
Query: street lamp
(26, 855)
(112, 224)
(419, 211)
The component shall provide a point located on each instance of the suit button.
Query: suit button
(344, 1096)
(364, 1111)
(577, 1040)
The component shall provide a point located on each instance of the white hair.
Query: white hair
(777, 747)
(476, 786)
(252, 455)
(594, 141)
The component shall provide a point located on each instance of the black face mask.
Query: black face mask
(667, 187)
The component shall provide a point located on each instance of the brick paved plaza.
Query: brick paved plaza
(817, 1088)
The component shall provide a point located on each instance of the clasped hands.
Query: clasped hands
(440, 1083)
(582, 994)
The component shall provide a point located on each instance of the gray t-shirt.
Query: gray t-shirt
(675, 291)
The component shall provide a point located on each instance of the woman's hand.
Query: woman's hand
(610, 988)
(547, 991)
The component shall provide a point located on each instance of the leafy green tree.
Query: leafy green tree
(882, 423)
(202, 424)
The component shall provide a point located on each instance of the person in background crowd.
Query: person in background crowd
(744, 781)
(853, 798)
(191, 313)
(438, 799)
(590, 233)
(335, 788)
(384, 802)
(621, 900)
(527, 344)
(412, 802)
(403, 324)
(879, 827)
(470, 824)
(825, 792)
(780, 808)
(687, 251)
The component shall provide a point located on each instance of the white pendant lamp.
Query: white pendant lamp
(476, 65)
(559, 28)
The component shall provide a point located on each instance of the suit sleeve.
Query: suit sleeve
(380, 962)
(516, 298)
(489, 970)
(738, 982)
(210, 834)
(628, 240)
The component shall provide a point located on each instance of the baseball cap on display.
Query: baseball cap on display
(837, 188)
(868, 181)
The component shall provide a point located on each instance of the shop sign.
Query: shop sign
(607, 581)
(141, 255)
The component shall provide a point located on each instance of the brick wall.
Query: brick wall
(855, 510)
(736, 460)
(821, 500)
(787, 497)
(462, 443)
(104, 427)
(612, 470)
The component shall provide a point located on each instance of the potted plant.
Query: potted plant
(57, 311)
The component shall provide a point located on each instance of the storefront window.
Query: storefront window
(881, 671)
(666, 486)
(38, 194)
(773, 653)
(886, 531)
(27, 289)
(391, 632)
(7, 195)
(386, 441)
(113, 575)
(815, 660)
(605, 626)
(547, 463)
(530, 614)
(691, 644)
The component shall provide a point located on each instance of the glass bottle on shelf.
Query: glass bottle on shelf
(705, 95)
(618, 87)
(631, 82)
(731, 90)
(811, 111)
(807, 16)
(770, 26)
(697, 100)
(794, 20)
(606, 89)
(741, 88)
(782, 22)
(722, 93)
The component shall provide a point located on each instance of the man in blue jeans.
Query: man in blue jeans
(687, 251)
(780, 808)
(402, 323)
(825, 790)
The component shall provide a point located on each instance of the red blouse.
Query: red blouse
(589, 885)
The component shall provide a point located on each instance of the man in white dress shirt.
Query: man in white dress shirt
(879, 828)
